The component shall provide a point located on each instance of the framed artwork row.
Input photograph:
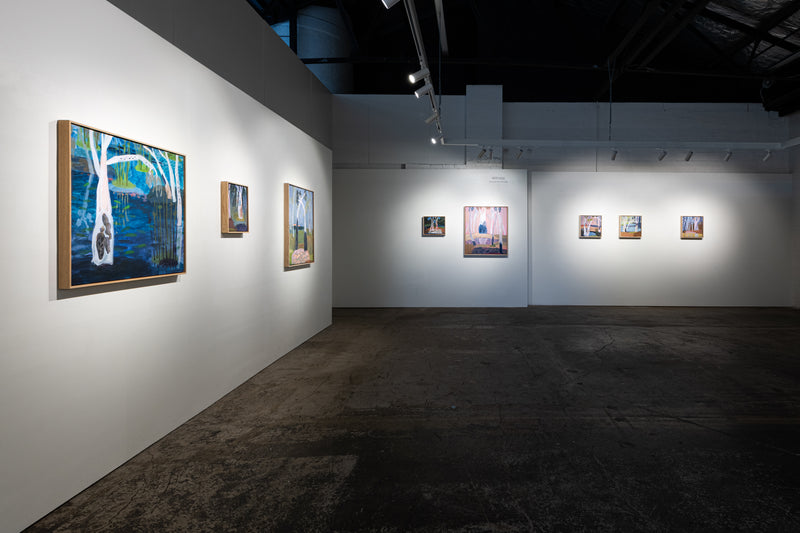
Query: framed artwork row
(630, 227)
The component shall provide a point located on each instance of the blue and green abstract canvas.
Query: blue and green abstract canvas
(122, 209)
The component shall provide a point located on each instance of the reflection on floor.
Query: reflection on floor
(468, 420)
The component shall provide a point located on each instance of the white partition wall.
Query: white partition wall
(382, 260)
(88, 378)
(744, 258)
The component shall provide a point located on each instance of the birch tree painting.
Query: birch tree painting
(486, 231)
(121, 208)
(630, 226)
(298, 208)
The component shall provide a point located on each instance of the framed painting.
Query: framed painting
(590, 226)
(691, 227)
(234, 208)
(630, 226)
(433, 226)
(121, 208)
(298, 209)
(486, 231)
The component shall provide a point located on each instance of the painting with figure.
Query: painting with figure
(590, 226)
(298, 209)
(234, 208)
(486, 231)
(691, 227)
(433, 226)
(630, 226)
(121, 209)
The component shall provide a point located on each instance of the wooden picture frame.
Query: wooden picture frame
(433, 226)
(692, 227)
(234, 208)
(590, 226)
(121, 208)
(298, 223)
(485, 231)
(630, 226)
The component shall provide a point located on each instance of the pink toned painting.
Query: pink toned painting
(486, 231)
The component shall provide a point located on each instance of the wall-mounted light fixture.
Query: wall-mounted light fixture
(728, 155)
(419, 75)
(689, 155)
(519, 154)
(482, 153)
(767, 156)
(431, 118)
(662, 155)
(614, 153)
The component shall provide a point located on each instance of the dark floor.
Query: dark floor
(488, 420)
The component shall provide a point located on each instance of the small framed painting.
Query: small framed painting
(234, 208)
(298, 212)
(590, 226)
(691, 227)
(433, 226)
(630, 226)
(121, 208)
(486, 231)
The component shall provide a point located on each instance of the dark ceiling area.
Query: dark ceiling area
(577, 50)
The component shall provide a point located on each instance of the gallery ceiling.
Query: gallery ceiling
(576, 50)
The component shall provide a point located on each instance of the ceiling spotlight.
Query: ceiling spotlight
(519, 153)
(431, 118)
(482, 153)
(767, 156)
(433, 140)
(614, 154)
(689, 155)
(419, 75)
(728, 155)
(425, 89)
(491, 153)
(662, 155)
(389, 3)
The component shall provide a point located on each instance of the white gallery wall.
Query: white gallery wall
(750, 204)
(232, 40)
(744, 258)
(382, 260)
(90, 377)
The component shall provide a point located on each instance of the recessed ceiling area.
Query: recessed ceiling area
(573, 50)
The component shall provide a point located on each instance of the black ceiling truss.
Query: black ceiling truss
(576, 50)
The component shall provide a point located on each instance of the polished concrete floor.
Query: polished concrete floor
(488, 420)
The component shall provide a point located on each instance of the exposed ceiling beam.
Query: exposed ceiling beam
(687, 18)
(442, 29)
(762, 31)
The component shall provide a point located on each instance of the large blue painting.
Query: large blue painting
(122, 209)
